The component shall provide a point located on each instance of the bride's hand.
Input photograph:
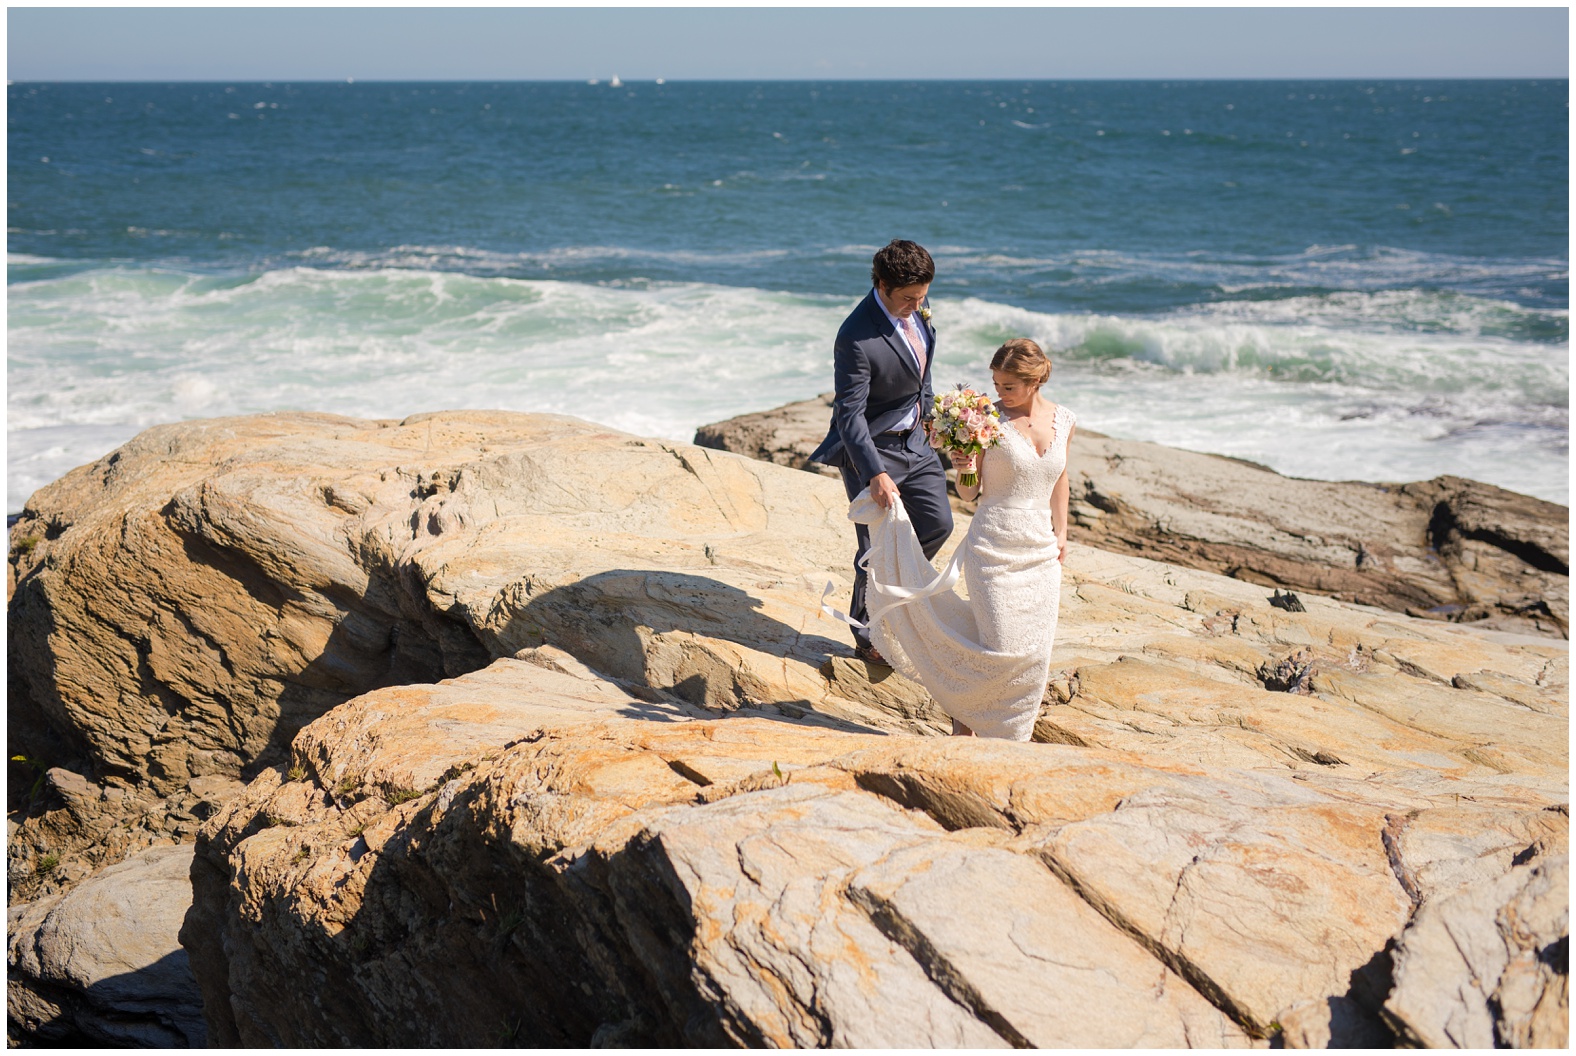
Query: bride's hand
(964, 463)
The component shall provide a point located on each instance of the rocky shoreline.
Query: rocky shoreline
(1446, 549)
(481, 728)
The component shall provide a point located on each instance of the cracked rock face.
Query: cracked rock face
(602, 871)
(547, 743)
(186, 604)
(1487, 965)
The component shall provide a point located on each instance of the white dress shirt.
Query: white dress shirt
(902, 331)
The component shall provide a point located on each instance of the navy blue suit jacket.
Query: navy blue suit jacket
(877, 382)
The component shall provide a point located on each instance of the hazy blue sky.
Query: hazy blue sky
(157, 44)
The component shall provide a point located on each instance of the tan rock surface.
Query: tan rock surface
(756, 881)
(190, 601)
(1487, 965)
(787, 435)
(102, 964)
(1239, 806)
(180, 608)
(1446, 548)
(65, 827)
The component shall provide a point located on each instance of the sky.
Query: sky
(407, 43)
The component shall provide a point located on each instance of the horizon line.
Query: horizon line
(604, 81)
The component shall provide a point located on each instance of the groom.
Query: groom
(883, 408)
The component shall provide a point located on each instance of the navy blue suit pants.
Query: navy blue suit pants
(922, 485)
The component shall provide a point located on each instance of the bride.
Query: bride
(985, 660)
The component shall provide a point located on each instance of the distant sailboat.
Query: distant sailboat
(615, 82)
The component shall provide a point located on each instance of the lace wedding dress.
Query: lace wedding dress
(985, 659)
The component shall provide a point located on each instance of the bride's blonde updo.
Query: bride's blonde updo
(1023, 359)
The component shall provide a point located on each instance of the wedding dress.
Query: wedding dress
(986, 659)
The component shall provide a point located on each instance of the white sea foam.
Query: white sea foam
(1361, 340)
(1316, 268)
(1194, 265)
(473, 260)
(1391, 385)
(1331, 267)
(1396, 311)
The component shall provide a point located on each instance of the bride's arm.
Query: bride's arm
(1059, 495)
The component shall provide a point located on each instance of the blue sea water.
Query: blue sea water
(1341, 279)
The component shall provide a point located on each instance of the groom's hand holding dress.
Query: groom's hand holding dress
(883, 490)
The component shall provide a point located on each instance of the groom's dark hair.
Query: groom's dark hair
(901, 263)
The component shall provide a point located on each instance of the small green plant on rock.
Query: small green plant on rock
(508, 1033)
(401, 795)
(46, 864)
(296, 772)
(509, 922)
(40, 774)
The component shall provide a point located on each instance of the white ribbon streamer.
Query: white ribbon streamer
(834, 613)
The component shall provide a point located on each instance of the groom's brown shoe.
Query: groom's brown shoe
(868, 654)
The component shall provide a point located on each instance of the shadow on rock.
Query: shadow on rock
(458, 940)
(138, 1009)
(702, 640)
(102, 965)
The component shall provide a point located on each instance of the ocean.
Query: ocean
(1350, 280)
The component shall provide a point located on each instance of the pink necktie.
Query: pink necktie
(916, 342)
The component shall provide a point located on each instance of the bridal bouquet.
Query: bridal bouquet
(966, 423)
